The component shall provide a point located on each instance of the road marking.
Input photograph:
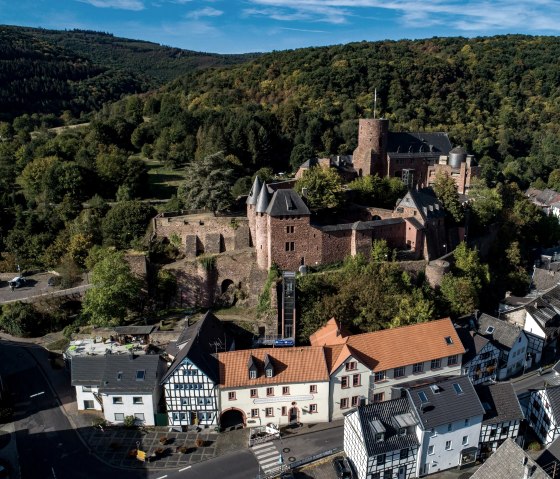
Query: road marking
(162, 477)
(184, 468)
(37, 394)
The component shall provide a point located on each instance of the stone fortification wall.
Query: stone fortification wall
(204, 233)
(336, 245)
(435, 270)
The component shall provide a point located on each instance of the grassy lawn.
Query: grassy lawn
(163, 179)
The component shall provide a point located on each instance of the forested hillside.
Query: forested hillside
(48, 72)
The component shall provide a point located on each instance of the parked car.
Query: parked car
(341, 468)
(17, 282)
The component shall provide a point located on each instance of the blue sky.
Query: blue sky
(238, 26)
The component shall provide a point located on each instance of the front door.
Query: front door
(402, 472)
(293, 414)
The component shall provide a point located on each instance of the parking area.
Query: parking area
(35, 284)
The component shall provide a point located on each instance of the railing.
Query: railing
(294, 465)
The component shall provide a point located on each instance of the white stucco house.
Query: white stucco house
(119, 385)
(276, 386)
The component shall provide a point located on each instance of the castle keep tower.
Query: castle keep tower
(371, 155)
(251, 206)
(261, 228)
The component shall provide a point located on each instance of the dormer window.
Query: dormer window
(252, 367)
(379, 437)
(448, 340)
(252, 374)
(268, 366)
(140, 375)
(268, 372)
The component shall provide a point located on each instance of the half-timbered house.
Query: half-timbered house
(480, 360)
(381, 441)
(502, 416)
(191, 383)
(543, 413)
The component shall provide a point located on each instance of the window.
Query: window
(418, 368)
(231, 395)
(377, 475)
(458, 389)
(453, 360)
(399, 372)
(137, 400)
(380, 376)
(449, 427)
(490, 330)
(289, 229)
(88, 405)
(355, 401)
(423, 397)
(388, 474)
(284, 410)
(119, 375)
(505, 430)
(254, 413)
(290, 246)
(253, 393)
(436, 364)
(430, 450)
(351, 365)
(448, 340)
(433, 432)
(543, 431)
(117, 400)
(139, 416)
(465, 441)
(380, 459)
(86, 389)
(270, 391)
(344, 381)
(268, 372)
(119, 416)
(344, 403)
(378, 397)
(313, 389)
(285, 390)
(179, 416)
(140, 375)
(269, 411)
(467, 422)
(252, 374)
(404, 453)
(356, 380)
(448, 445)
(536, 406)
(312, 408)
(185, 401)
(484, 355)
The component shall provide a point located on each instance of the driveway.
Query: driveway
(36, 285)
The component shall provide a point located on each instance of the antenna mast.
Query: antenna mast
(375, 104)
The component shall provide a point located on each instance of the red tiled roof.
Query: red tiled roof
(330, 334)
(291, 365)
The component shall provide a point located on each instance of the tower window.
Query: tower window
(290, 246)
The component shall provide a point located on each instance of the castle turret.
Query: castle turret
(261, 228)
(251, 205)
(371, 155)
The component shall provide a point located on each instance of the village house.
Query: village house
(380, 440)
(119, 385)
(191, 382)
(502, 416)
(543, 413)
(481, 358)
(273, 385)
(449, 417)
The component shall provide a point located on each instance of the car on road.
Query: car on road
(341, 468)
(17, 282)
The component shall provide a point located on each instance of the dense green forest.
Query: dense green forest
(49, 71)
(61, 194)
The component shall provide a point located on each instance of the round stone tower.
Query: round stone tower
(435, 271)
(251, 206)
(261, 228)
(371, 155)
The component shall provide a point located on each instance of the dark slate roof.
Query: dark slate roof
(287, 203)
(543, 312)
(553, 394)
(105, 371)
(134, 330)
(262, 200)
(549, 459)
(423, 200)
(472, 342)
(419, 142)
(446, 405)
(385, 412)
(87, 370)
(505, 334)
(361, 225)
(127, 367)
(509, 462)
(546, 278)
(310, 163)
(255, 190)
(556, 367)
(500, 402)
(201, 340)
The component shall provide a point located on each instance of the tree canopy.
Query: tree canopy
(321, 188)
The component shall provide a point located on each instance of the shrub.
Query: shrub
(129, 421)
(534, 446)
(199, 442)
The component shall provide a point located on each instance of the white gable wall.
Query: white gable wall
(338, 393)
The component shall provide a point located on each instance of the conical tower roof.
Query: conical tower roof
(262, 201)
(255, 191)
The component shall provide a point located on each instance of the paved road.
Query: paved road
(533, 380)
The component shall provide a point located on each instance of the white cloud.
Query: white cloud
(468, 15)
(134, 5)
(204, 12)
